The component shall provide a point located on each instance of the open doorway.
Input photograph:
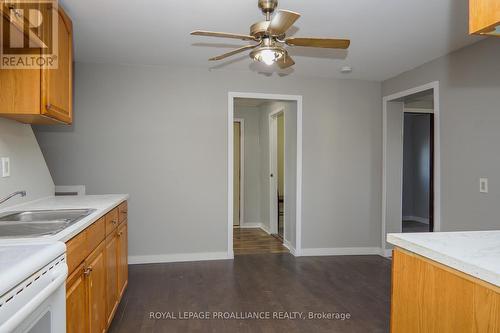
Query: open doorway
(265, 174)
(418, 168)
(411, 159)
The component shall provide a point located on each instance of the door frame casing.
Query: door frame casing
(273, 169)
(242, 168)
(437, 156)
(230, 143)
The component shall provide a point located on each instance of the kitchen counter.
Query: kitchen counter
(476, 253)
(102, 203)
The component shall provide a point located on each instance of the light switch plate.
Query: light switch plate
(5, 167)
(483, 185)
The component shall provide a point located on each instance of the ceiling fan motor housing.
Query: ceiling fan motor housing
(268, 6)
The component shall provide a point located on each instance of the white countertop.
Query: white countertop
(476, 253)
(102, 203)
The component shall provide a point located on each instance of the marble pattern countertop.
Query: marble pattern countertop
(476, 253)
(102, 203)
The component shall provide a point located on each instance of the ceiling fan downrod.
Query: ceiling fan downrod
(267, 7)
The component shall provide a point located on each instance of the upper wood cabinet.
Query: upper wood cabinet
(40, 96)
(484, 17)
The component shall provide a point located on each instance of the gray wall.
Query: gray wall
(394, 171)
(470, 136)
(28, 169)
(416, 162)
(160, 134)
(252, 184)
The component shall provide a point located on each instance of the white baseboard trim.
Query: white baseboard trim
(253, 225)
(386, 253)
(178, 257)
(290, 247)
(416, 219)
(340, 251)
(249, 225)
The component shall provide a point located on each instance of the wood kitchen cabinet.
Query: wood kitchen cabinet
(430, 297)
(122, 236)
(77, 314)
(40, 96)
(98, 265)
(95, 271)
(484, 17)
(111, 276)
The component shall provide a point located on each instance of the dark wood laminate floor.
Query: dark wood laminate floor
(358, 285)
(255, 241)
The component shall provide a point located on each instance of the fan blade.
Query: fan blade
(241, 49)
(285, 62)
(328, 43)
(281, 22)
(221, 34)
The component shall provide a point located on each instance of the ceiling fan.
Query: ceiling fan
(270, 37)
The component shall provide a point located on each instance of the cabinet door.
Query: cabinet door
(96, 279)
(77, 315)
(111, 276)
(122, 257)
(57, 84)
(19, 89)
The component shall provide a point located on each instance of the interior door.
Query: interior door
(237, 174)
(281, 172)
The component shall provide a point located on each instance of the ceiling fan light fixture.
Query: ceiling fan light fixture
(267, 55)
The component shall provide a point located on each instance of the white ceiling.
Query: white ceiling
(388, 36)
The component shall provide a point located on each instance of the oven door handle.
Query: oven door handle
(36, 301)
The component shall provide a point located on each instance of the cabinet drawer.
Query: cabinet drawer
(122, 212)
(96, 233)
(111, 221)
(76, 251)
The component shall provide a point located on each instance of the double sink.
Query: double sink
(39, 222)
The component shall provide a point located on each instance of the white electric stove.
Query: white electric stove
(32, 287)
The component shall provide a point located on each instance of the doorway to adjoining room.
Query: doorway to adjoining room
(264, 165)
(411, 159)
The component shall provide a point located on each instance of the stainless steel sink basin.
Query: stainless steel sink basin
(39, 222)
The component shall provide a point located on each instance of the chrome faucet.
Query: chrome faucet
(10, 196)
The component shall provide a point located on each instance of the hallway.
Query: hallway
(255, 241)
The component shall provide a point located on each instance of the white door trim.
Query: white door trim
(437, 153)
(273, 169)
(242, 168)
(230, 143)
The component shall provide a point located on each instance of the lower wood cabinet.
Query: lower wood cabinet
(122, 237)
(98, 276)
(429, 297)
(95, 271)
(77, 302)
(111, 276)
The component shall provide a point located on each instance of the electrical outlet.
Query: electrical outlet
(483, 185)
(5, 167)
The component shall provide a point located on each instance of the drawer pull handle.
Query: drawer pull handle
(114, 222)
